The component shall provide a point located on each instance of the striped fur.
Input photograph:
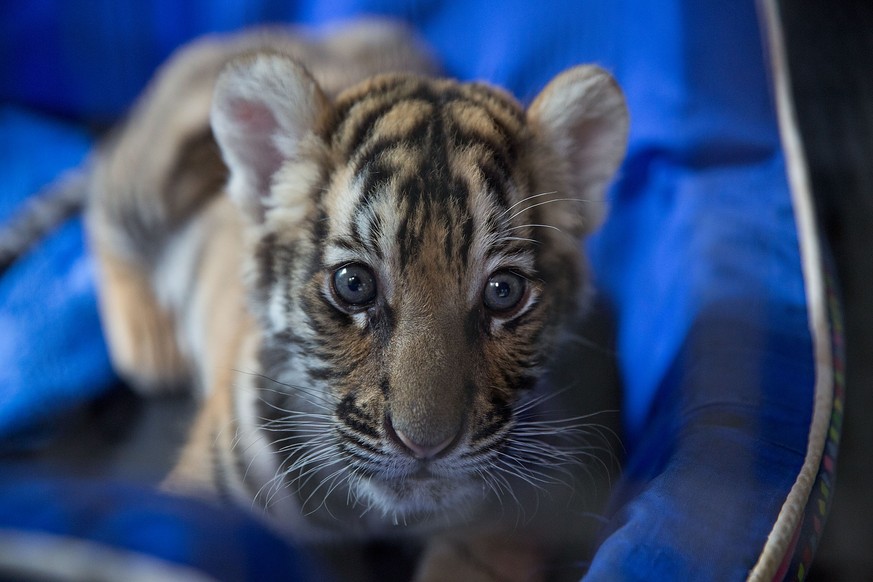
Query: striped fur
(40, 214)
(338, 418)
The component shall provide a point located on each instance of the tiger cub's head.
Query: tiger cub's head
(414, 244)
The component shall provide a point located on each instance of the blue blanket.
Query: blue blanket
(52, 352)
(699, 256)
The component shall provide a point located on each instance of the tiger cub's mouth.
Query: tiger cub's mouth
(415, 478)
(420, 493)
(407, 481)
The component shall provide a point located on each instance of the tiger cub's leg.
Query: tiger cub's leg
(200, 468)
(225, 354)
(140, 333)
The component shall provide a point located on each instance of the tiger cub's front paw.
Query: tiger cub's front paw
(480, 558)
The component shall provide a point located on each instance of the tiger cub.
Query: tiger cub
(363, 268)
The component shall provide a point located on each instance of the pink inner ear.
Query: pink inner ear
(253, 143)
(255, 117)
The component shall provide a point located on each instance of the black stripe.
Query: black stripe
(366, 126)
(497, 416)
(513, 324)
(496, 181)
(325, 372)
(476, 325)
(355, 239)
(354, 438)
(363, 464)
(496, 166)
(342, 110)
(381, 323)
(407, 235)
(486, 97)
(265, 257)
(324, 319)
(449, 247)
(466, 239)
(348, 243)
(459, 237)
(377, 175)
(415, 89)
(288, 337)
(374, 224)
(505, 145)
(355, 418)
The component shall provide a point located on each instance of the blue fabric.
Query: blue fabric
(52, 353)
(225, 544)
(702, 212)
(699, 257)
(722, 446)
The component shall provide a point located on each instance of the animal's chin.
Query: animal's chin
(421, 495)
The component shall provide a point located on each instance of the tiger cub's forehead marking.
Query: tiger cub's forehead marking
(422, 159)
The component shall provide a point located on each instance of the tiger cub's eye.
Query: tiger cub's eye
(504, 291)
(354, 285)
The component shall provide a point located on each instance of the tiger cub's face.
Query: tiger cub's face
(414, 244)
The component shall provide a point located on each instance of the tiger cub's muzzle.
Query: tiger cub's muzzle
(430, 385)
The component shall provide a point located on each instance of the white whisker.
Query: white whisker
(520, 226)
(551, 201)
(523, 200)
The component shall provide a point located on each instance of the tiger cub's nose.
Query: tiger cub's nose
(420, 450)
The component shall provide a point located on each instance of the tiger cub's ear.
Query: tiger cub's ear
(580, 122)
(264, 112)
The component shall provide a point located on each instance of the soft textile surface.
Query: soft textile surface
(52, 353)
(699, 256)
(225, 545)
